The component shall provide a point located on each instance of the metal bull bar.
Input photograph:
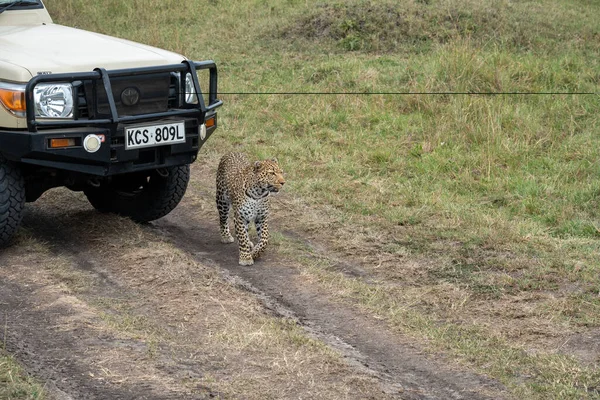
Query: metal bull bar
(105, 76)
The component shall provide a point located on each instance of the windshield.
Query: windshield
(18, 4)
(26, 2)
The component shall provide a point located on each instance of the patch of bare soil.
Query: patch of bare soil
(584, 346)
(100, 308)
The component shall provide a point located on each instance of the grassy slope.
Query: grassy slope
(495, 197)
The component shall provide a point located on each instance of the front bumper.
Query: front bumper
(32, 146)
(112, 158)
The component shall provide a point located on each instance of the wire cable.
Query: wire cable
(414, 93)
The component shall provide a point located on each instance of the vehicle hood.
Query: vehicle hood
(53, 48)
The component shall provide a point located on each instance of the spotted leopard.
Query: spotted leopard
(245, 187)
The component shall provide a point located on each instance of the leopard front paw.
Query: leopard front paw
(227, 239)
(246, 260)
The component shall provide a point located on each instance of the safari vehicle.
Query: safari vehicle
(118, 120)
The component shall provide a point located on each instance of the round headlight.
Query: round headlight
(190, 90)
(53, 100)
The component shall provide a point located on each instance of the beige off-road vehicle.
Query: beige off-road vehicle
(115, 119)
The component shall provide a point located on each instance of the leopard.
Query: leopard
(245, 187)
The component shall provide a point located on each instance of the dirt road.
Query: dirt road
(97, 307)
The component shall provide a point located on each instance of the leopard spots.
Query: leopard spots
(245, 187)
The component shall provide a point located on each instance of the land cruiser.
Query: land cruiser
(118, 120)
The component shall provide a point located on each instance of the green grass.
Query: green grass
(15, 384)
(496, 196)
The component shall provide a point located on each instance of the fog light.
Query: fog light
(202, 131)
(92, 143)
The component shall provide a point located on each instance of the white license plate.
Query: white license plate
(154, 135)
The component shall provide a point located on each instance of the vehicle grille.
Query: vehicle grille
(144, 94)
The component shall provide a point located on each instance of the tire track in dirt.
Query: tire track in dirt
(58, 330)
(68, 357)
(56, 336)
(367, 344)
(50, 358)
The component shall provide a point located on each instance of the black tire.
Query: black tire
(12, 200)
(141, 197)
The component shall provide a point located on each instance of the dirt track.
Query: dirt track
(99, 308)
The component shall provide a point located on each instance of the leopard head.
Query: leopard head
(269, 175)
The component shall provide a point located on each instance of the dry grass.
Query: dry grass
(502, 334)
(186, 328)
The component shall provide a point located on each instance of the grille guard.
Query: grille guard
(100, 74)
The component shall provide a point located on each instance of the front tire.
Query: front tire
(142, 197)
(12, 200)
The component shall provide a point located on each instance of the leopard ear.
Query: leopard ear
(274, 160)
(257, 166)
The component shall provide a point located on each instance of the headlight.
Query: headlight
(53, 100)
(12, 97)
(190, 91)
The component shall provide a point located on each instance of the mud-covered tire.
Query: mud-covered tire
(141, 197)
(12, 200)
